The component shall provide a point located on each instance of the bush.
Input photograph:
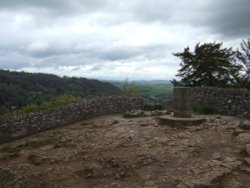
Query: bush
(59, 101)
(29, 108)
(55, 102)
(205, 110)
(133, 114)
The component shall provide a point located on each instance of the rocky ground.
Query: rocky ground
(113, 151)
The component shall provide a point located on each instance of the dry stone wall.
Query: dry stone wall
(22, 125)
(228, 101)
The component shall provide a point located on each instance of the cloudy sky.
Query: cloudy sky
(114, 39)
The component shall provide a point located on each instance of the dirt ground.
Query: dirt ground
(116, 152)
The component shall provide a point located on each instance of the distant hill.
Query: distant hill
(18, 89)
(151, 88)
(154, 82)
(155, 91)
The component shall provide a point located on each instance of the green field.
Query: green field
(148, 88)
(153, 90)
(159, 92)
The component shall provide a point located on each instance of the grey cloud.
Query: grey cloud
(105, 31)
(13, 60)
(231, 17)
(226, 17)
(115, 54)
(55, 7)
(96, 68)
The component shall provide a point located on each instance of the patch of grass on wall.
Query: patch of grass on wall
(205, 110)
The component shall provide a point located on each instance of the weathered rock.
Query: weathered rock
(243, 138)
(36, 159)
(245, 125)
(6, 176)
(247, 160)
(183, 103)
(133, 113)
(231, 101)
(248, 149)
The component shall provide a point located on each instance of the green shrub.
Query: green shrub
(29, 108)
(205, 110)
(55, 102)
(59, 101)
(133, 114)
(244, 152)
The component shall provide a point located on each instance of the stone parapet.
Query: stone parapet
(18, 126)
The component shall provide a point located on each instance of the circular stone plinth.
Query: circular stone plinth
(174, 121)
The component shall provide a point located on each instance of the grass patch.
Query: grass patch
(133, 114)
(205, 110)
(10, 149)
(126, 115)
(49, 140)
(244, 153)
(9, 152)
(7, 156)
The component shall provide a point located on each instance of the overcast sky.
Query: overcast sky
(114, 39)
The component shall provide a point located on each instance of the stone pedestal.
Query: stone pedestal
(183, 107)
(183, 102)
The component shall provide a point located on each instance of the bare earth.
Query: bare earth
(112, 151)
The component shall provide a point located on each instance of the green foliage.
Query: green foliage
(208, 65)
(206, 110)
(55, 102)
(29, 108)
(132, 90)
(244, 152)
(147, 89)
(243, 55)
(133, 114)
(48, 140)
(19, 89)
(59, 101)
(158, 91)
(129, 89)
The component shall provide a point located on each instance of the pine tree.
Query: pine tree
(208, 65)
(243, 55)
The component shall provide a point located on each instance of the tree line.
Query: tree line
(210, 64)
(19, 89)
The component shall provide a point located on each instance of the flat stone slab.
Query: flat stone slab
(174, 121)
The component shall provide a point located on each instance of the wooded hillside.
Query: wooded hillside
(18, 89)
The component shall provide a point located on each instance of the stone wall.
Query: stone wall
(22, 125)
(228, 101)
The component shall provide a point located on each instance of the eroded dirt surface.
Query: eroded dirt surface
(112, 151)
